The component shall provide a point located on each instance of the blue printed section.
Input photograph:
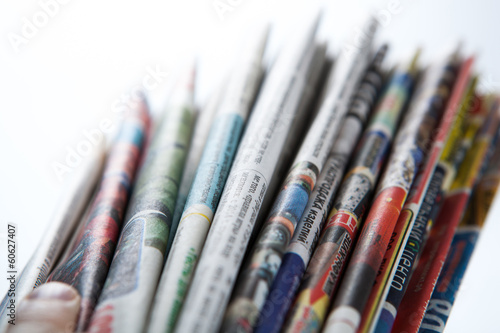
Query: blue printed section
(385, 322)
(284, 288)
(216, 161)
(401, 79)
(131, 130)
(449, 280)
(372, 150)
(292, 201)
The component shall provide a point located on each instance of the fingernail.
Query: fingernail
(54, 291)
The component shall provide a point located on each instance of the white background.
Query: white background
(67, 76)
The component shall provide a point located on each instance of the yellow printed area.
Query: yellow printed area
(321, 307)
(471, 164)
(200, 214)
(472, 145)
(485, 199)
(308, 316)
(458, 127)
(483, 196)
